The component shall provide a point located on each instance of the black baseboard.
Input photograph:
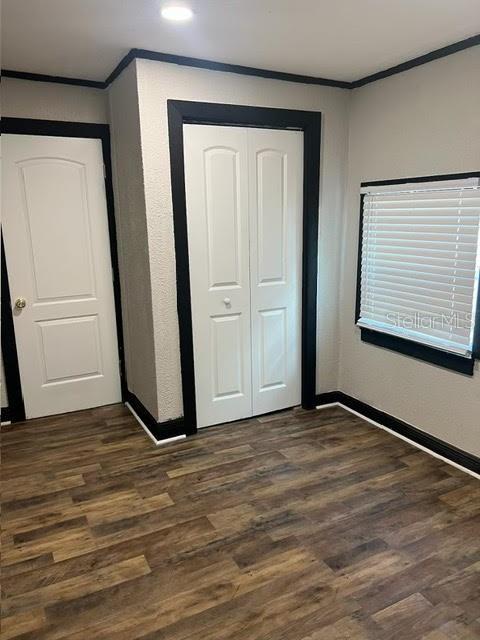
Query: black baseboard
(326, 398)
(448, 451)
(6, 416)
(172, 428)
(159, 430)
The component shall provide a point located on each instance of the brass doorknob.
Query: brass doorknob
(20, 303)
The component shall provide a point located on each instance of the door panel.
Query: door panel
(58, 256)
(70, 348)
(57, 239)
(223, 221)
(227, 356)
(275, 194)
(273, 349)
(217, 216)
(271, 215)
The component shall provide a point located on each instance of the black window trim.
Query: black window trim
(404, 346)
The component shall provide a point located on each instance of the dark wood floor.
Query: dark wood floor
(299, 526)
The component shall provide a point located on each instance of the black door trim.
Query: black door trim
(26, 126)
(181, 112)
(15, 411)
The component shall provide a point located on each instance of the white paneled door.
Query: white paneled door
(216, 180)
(244, 215)
(275, 161)
(58, 255)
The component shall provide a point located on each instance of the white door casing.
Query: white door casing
(58, 256)
(244, 219)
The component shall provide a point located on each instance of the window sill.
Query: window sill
(420, 351)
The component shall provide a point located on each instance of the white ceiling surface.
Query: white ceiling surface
(340, 39)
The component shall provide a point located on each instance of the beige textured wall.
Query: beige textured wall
(422, 122)
(132, 240)
(158, 82)
(52, 101)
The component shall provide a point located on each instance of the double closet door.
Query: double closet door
(244, 214)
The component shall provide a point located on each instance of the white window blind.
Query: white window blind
(420, 262)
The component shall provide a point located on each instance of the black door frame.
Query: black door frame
(27, 126)
(182, 112)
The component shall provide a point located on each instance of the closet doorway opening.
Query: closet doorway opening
(245, 194)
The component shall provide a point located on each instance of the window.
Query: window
(419, 264)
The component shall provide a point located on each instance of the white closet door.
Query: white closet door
(58, 257)
(275, 195)
(216, 181)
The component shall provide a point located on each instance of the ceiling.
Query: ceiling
(338, 39)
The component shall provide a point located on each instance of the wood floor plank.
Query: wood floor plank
(72, 588)
(293, 526)
(22, 623)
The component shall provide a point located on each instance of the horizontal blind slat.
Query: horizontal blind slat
(463, 267)
(374, 280)
(421, 247)
(412, 305)
(372, 287)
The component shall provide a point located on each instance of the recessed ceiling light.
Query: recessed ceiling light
(177, 13)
